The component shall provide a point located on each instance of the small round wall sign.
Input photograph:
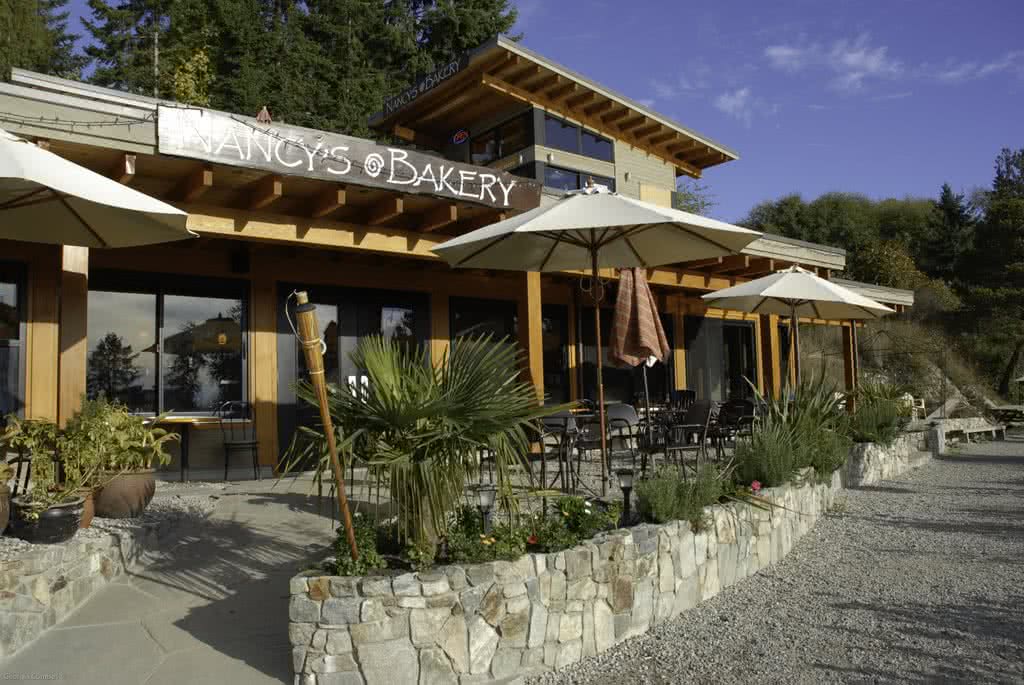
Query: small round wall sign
(460, 136)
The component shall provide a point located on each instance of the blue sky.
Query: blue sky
(883, 97)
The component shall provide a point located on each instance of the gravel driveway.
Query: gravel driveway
(919, 579)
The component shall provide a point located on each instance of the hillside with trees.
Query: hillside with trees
(963, 257)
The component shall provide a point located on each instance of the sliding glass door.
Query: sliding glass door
(720, 358)
(12, 337)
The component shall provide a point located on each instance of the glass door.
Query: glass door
(12, 335)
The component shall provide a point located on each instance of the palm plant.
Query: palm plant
(420, 429)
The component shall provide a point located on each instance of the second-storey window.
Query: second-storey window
(562, 135)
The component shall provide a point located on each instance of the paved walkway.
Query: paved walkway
(916, 580)
(212, 608)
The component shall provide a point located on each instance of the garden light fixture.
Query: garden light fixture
(625, 477)
(485, 503)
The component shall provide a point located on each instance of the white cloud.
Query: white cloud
(787, 57)
(817, 107)
(954, 72)
(852, 61)
(893, 96)
(662, 90)
(646, 102)
(737, 104)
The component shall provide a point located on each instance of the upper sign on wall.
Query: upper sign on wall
(241, 141)
(425, 83)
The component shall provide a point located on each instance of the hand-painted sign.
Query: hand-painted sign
(423, 84)
(240, 141)
(460, 136)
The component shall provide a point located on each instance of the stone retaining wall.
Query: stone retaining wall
(500, 621)
(870, 462)
(40, 586)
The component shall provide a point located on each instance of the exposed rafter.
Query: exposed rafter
(265, 191)
(439, 217)
(194, 185)
(123, 170)
(327, 201)
(385, 210)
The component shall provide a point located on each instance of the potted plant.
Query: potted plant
(6, 474)
(124, 448)
(50, 510)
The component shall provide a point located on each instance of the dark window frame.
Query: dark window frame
(499, 136)
(580, 130)
(581, 177)
(161, 285)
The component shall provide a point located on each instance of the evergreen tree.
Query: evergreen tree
(34, 35)
(950, 237)
(111, 368)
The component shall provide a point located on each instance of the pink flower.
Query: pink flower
(532, 540)
(756, 486)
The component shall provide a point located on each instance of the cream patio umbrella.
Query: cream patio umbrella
(45, 198)
(796, 292)
(591, 229)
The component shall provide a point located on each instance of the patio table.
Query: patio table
(183, 425)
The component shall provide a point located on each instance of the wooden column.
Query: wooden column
(531, 331)
(74, 296)
(42, 352)
(571, 357)
(771, 354)
(849, 361)
(440, 326)
(263, 359)
(679, 345)
(759, 360)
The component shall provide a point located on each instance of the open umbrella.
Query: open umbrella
(45, 198)
(796, 292)
(589, 229)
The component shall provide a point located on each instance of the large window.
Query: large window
(157, 346)
(720, 358)
(562, 135)
(555, 340)
(12, 333)
(621, 383)
(567, 179)
(478, 317)
(503, 140)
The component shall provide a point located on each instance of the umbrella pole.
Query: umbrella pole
(647, 423)
(309, 337)
(600, 372)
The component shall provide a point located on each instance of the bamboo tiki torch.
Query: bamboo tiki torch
(309, 337)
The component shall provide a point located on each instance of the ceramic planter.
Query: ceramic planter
(59, 523)
(126, 495)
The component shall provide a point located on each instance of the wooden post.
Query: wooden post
(74, 296)
(850, 362)
(263, 359)
(309, 337)
(440, 326)
(42, 358)
(531, 332)
(572, 358)
(679, 345)
(771, 354)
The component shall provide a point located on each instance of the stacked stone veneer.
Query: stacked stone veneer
(499, 621)
(45, 583)
(871, 462)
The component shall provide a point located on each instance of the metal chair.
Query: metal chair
(238, 430)
(694, 424)
(682, 399)
(622, 424)
(559, 440)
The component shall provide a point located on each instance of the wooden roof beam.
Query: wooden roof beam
(581, 99)
(509, 65)
(327, 201)
(616, 115)
(737, 262)
(194, 185)
(265, 191)
(701, 263)
(631, 123)
(123, 170)
(662, 137)
(385, 210)
(759, 266)
(646, 131)
(439, 217)
(485, 219)
(600, 107)
(682, 146)
(546, 83)
(562, 92)
(524, 76)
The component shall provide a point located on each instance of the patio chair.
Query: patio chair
(682, 399)
(559, 440)
(238, 430)
(622, 424)
(690, 434)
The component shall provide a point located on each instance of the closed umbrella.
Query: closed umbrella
(45, 198)
(590, 229)
(637, 334)
(796, 292)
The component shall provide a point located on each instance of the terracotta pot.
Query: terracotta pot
(57, 524)
(5, 507)
(88, 507)
(126, 495)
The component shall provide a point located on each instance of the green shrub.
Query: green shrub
(468, 544)
(666, 496)
(366, 544)
(586, 518)
(768, 455)
(875, 421)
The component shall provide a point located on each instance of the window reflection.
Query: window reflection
(561, 179)
(399, 324)
(10, 350)
(561, 135)
(484, 148)
(202, 347)
(597, 147)
(121, 363)
(555, 340)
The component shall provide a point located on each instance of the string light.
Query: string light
(25, 120)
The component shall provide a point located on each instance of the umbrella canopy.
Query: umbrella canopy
(637, 333)
(797, 292)
(594, 223)
(590, 229)
(45, 198)
(810, 295)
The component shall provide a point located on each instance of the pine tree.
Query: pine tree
(112, 368)
(950, 237)
(34, 35)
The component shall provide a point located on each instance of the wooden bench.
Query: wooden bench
(998, 432)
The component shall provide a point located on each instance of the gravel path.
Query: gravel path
(919, 579)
